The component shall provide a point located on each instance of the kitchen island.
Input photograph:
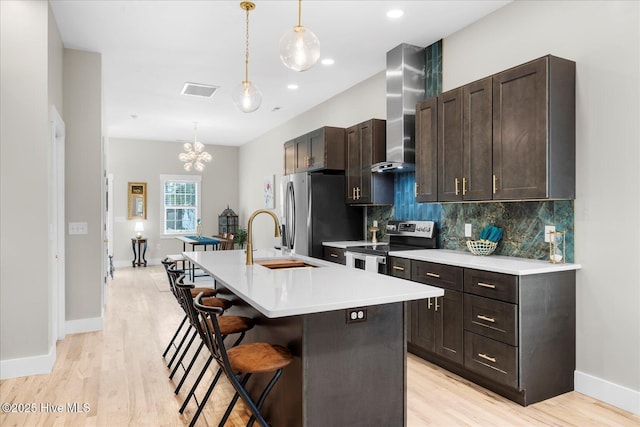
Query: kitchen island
(345, 327)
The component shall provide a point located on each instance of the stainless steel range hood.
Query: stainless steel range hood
(405, 88)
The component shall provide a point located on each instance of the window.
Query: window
(180, 203)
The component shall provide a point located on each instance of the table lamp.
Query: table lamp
(139, 229)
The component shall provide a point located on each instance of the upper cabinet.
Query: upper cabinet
(427, 150)
(534, 130)
(510, 136)
(322, 148)
(366, 144)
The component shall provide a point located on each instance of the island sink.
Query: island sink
(283, 263)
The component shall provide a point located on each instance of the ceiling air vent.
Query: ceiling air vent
(198, 89)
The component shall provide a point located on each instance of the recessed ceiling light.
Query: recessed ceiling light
(327, 61)
(292, 86)
(395, 13)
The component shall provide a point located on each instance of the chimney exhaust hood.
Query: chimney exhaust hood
(405, 88)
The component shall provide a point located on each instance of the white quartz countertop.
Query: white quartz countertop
(496, 263)
(289, 292)
(347, 243)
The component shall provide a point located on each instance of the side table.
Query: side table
(139, 252)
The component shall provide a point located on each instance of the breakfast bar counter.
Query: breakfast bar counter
(345, 327)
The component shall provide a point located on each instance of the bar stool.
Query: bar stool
(173, 273)
(228, 325)
(242, 361)
(186, 301)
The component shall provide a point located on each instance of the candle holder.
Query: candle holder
(557, 246)
(374, 238)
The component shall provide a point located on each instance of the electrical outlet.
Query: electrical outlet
(355, 315)
(467, 230)
(548, 229)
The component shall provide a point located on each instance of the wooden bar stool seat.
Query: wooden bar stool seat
(257, 357)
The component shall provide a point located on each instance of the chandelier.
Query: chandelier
(299, 48)
(246, 96)
(193, 156)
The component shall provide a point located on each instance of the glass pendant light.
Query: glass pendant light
(246, 96)
(193, 156)
(299, 47)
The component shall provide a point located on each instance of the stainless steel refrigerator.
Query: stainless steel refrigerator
(314, 211)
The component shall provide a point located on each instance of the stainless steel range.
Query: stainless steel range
(403, 236)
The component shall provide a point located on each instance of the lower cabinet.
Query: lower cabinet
(512, 334)
(334, 255)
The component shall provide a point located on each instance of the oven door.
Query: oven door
(372, 263)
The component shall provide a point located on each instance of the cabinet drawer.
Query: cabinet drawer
(498, 286)
(495, 360)
(399, 267)
(334, 255)
(492, 319)
(444, 276)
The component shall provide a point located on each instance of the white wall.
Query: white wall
(603, 37)
(144, 161)
(264, 156)
(83, 187)
(24, 173)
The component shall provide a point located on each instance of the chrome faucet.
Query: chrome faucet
(249, 238)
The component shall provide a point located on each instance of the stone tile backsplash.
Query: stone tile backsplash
(522, 222)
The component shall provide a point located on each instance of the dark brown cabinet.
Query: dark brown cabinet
(334, 255)
(366, 143)
(534, 130)
(427, 150)
(504, 332)
(322, 148)
(289, 157)
(510, 136)
(436, 323)
(465, 143)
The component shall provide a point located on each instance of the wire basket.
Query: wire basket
(481, 247)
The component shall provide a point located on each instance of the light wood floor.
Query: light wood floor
(121, 375)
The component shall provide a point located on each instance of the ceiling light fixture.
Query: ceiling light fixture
(246, 96)
(299, 48)
(327, 61)
(395, 13)
(194, 157)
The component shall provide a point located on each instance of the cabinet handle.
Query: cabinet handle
(308, 161)
(397, 267)
(457, 183)
(358, 193)
(429, 304)
(484, 356)
(415, 191)
(437, 306)
(353, 193)
(488, 319)
(494, 183)
(333, 255)
(464, 185)
(486, 285)
(437, 276)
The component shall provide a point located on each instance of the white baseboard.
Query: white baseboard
(33, 365)
(84, 325)
(613, 394)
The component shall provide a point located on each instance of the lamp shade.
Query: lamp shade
(299, 48)
(247, 97)
(139, 228)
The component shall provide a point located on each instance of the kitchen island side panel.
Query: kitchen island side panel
(355, 373)
(342, 374)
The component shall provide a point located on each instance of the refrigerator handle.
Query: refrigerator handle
(291, 216)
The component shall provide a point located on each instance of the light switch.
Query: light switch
(467, 230)
(78, 228)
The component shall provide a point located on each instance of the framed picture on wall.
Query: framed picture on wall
(269, 193)
(137, 200)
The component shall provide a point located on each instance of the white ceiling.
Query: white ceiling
(151, 48)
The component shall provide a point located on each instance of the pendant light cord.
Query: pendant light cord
(299, 13)
(246, 55)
